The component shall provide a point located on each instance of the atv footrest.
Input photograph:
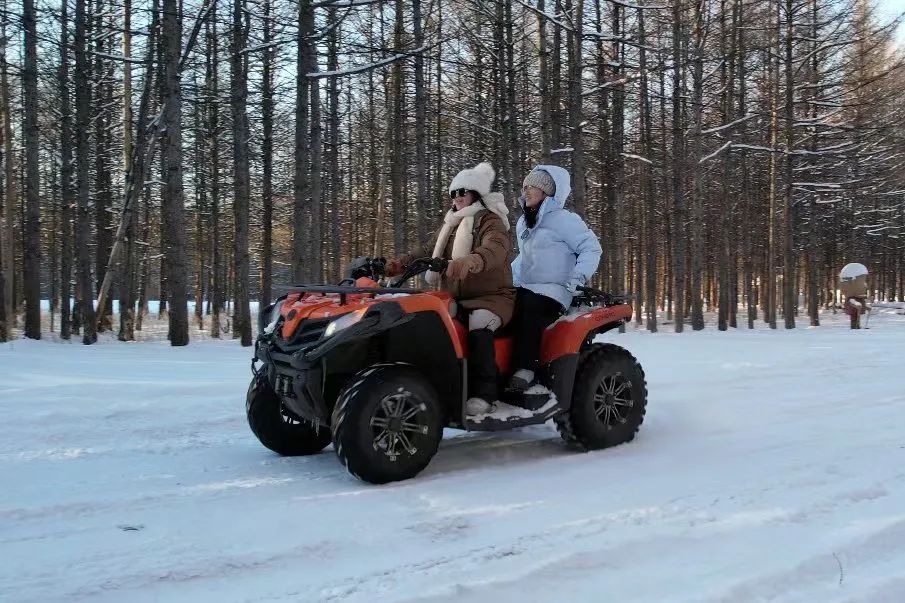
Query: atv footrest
(529, 401)
(506, 416)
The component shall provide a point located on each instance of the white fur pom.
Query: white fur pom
(486, 170)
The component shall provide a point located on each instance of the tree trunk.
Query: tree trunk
(7, 237)
(333, 173)
(576, 115)
(301, 209)
(397, 176)
(727, 83)
(814, 223)
(213, 135)
(773, 77)
(32, 234)
(421, 179)
(267, 159)
(555, 74)
(788, 276)
(200, 212)
(647, 185)
(83, 173)
(103, 101)
(678, 156)
(239, 92)
(317, 194)
(543, 83)
(144, 265)
(697, 218)
(173, 199)
(129, 264)
(67, 192)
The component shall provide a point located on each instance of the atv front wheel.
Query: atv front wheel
(278, 430)
(608, 402)
(387, 424)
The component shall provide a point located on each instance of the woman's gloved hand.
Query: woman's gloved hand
(394, 267)
(459, 269)
(574, 283)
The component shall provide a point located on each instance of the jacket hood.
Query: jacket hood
(563, 188)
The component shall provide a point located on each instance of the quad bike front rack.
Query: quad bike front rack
(344, 291)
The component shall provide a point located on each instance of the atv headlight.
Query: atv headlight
(343, 322)
(274, 317)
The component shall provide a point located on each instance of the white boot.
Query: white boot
(521, 380)
(477, 406)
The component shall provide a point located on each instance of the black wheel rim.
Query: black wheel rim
(613, 400)
(398, 425)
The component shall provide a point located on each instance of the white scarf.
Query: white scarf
(463, 222)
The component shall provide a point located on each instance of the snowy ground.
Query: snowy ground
(771, 467)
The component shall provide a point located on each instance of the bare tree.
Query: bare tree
(239, 92)
(85, 287)
(302, 213)
(173, 199)
(212, 89)
(697, 217)
(32, 235)
(267, 159)
(129, 264)
(7, 237)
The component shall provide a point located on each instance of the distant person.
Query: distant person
(557, 254)
(853, 284)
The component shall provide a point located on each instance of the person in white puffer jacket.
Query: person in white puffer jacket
(557, 254)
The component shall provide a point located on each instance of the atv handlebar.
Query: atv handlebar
(420, 266)
(594, 297)
(375, 269)
(372, 268)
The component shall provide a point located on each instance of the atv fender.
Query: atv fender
(379, 318)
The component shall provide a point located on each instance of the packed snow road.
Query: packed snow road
(770, 468)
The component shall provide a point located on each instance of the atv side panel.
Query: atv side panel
(569, 334)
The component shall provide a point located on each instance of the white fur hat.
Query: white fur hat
(478, 179)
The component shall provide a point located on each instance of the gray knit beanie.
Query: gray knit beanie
(540, 179)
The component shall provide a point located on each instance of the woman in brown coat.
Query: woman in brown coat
(475, 237)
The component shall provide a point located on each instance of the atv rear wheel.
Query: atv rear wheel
(387, 424)
(276, 428)
(608, 402)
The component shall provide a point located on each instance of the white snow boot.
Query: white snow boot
(521, 380)
(477, 406)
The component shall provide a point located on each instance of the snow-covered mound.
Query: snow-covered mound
(769, 468)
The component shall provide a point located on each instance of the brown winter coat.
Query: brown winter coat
(491, 288)
(856, 287)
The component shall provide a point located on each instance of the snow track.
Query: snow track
(771, 467)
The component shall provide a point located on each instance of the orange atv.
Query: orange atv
(380, 371)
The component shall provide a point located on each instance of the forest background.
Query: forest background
(731, 155)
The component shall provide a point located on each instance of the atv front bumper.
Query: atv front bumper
(297, 382)
(295, 368)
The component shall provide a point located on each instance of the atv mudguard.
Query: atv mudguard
(565, 339)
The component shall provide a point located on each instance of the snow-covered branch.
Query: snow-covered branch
(729, 125)
(637, 158)
(363, 68)
(715, 153)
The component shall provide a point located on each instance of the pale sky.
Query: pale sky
(890, 9)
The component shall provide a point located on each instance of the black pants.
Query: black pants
(533, 314)
(482, 377)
